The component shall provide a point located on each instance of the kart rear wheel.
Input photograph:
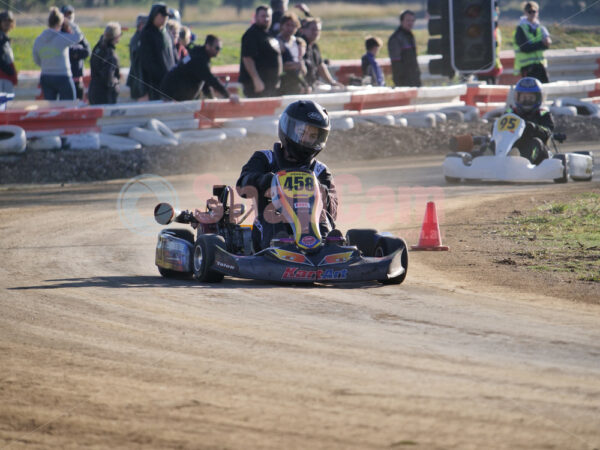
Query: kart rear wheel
(452, 180)
(168, 273)
(386, 246)
(204, 255)
(363, 239)
(565, 162)
(590, 154)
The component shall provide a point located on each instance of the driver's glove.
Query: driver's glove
(264, 182)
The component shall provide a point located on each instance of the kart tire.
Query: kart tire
(387, 245)
(363, 239)
(565, 162)
(203, 257)
(181, 234)
(592, 174)
(452, 180)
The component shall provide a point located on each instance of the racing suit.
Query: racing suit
(255, 180)
(538, 129)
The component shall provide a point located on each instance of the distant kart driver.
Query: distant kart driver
(303, 130)
(539, 124)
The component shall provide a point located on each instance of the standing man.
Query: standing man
(315, 66)
(79, 52)
(8, 73)
(184, 81)
(402, 50)
(156, 50)
(104, 86)
(529, 41)
(137, 88)
(260, 64)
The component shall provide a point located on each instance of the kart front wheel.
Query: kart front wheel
(386, 246)
(204, 255)
(363, 239)
(565, 173)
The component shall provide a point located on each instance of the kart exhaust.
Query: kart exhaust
(165, 214)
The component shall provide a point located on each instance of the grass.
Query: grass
(561, 237)
(345, 27)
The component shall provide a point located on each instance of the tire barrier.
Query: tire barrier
(155, 133)
(581, 108)
(386, 119)
(12, 139)
(44, 143)
(563, 110)
(118, 143)
(85, 141)
(234, 133)
(264, 125)
(200, 136)
(342, 123)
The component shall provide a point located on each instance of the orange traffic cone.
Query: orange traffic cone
(430, 232)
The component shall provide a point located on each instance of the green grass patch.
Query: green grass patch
(561, 237)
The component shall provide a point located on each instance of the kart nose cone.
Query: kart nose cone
(395, 268)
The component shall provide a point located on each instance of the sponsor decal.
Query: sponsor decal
(293, 273)
(286, 255)
(308, 241)
(336, 258)
(225, 265)
(302, 205)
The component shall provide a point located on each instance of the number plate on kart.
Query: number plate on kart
(297, 184)
(509, 122)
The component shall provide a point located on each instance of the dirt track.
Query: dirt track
(96, 349)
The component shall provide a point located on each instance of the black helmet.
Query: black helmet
(303, 129)
(528, 95)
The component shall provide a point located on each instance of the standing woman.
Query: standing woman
(104, 86)
(51, 53)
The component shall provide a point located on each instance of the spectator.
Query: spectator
(51, 53)
(315, 66)
(402, 50)
(370, 67)
(156, 50)
(279, 8)
(137, 88)
(185, 39)
(491, 77)
(8, 72)
(173, 27)
(104, 87)
(78, 53)
(260, 65)
(530, 41)
(193, 74)
(292, 55)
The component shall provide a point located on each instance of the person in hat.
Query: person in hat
(104, 86)
(303, 130)
(137, 88)
(156, 50)
(51, 53)
(8, 72)
(79, 52)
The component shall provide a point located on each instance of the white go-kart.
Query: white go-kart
(498, 159)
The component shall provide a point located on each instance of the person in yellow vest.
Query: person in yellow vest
(529, 41)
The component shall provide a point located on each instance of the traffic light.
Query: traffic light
(439, 25)
(472, 41)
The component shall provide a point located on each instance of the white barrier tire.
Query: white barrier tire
(159, 127)
(12, 139)
(44, 143)
(235, 133)
(149, 138)
(85, 141)
(200, 136)
(118, 143)
(386, 119)
(342, 123)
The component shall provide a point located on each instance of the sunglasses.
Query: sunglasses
(532, 11)
(218, 48)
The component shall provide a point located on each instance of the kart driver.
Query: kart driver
(527, 104)
(303, 130)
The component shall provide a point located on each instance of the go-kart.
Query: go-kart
(299, 254)
(498, 158)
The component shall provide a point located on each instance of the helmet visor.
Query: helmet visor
(304, 134)
(528, 100)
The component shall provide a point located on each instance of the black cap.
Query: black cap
(67, 9)
(6, 15)
(160, 8)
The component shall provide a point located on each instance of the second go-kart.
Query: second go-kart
(499, 159)
(223, 244)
